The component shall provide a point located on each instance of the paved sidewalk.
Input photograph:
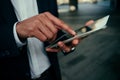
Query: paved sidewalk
(97, 57)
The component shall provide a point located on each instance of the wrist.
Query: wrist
(19, 41)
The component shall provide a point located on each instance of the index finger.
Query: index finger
(89, 22)
(60, 23)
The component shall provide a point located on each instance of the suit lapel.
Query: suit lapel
(43, 5)
(10, 16)
(47, 5)
(8, 12)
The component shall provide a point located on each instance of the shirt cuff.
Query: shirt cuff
(18, 42)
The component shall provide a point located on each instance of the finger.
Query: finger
(89, 23)
(40, 36)
(44, 30)
(48, 23)
(63, 47)
(60, 23)
(75, 42)
(53, 38)
(52, 50)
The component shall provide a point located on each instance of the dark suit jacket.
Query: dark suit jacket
(14, 63)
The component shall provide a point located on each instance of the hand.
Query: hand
(65, 47)
(43, 26)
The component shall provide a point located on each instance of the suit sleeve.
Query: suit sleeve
(8, 45)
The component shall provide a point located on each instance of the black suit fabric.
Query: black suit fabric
(14, 63)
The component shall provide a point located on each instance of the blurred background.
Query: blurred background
(97, 57)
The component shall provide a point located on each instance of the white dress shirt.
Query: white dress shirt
(36, 53)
